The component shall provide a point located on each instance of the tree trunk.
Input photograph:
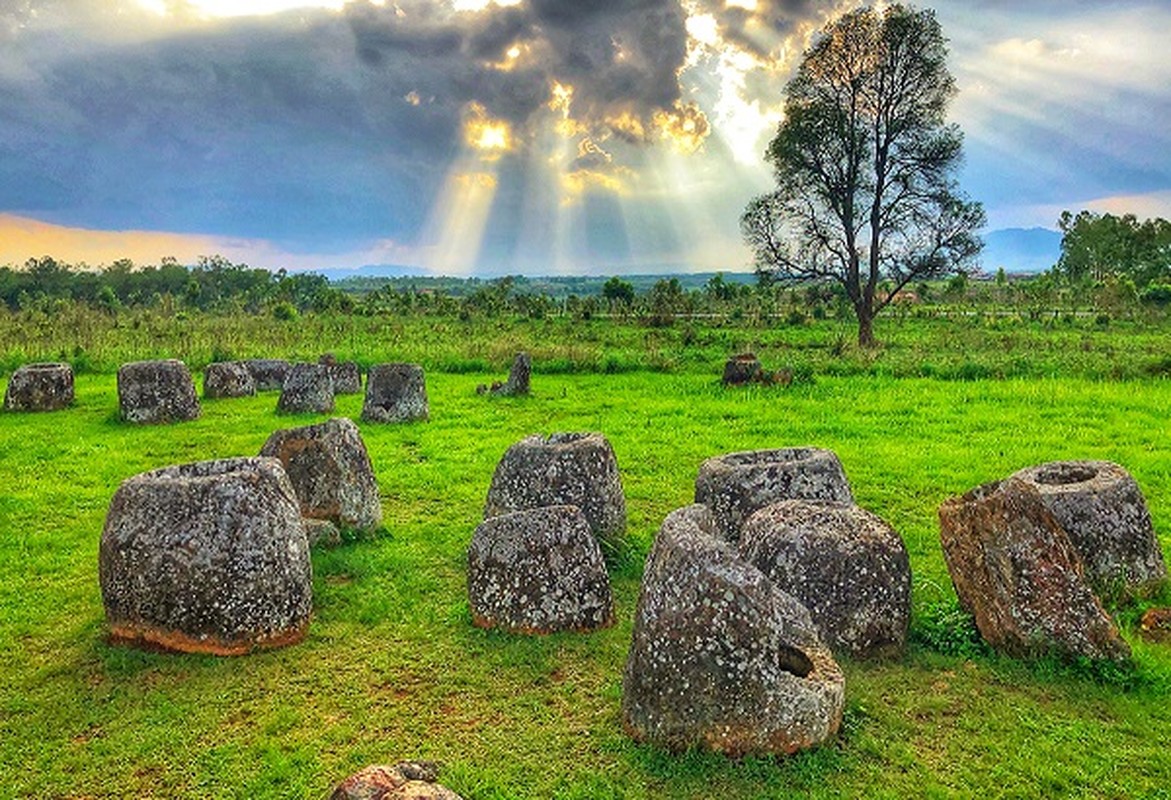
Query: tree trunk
(866, 328)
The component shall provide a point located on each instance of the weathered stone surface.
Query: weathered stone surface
(1105, 516)
(151, 392)
(519, 378)
(40, 387)
(329, 468)
(1155, 625)
(321, 532)
(308, 389)
(735, 485)
(209, 557)
(577, 469)
(268, 373)
(1015, 570)
(228, 379)
(538, 571)
(347, 378)
(740, 369)
(403, 781)
(721, 658)
(846, 565)
(395, 393)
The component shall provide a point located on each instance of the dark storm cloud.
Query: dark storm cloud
(263, 128)
(312, 128)
(620, 57)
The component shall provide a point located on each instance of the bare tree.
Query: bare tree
(864, 164)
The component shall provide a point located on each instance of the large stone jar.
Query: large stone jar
(1105, 516)
(735, 485)
(577, 469)
(209, 557)
(1015, 570)
(538, 571)
(228, 379)
(40, 387)
(151, 392)
(329, 468)
(308, 389)
(395, 393)
(721, 659)
(845, 564)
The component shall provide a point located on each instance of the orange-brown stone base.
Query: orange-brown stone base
(150, 638)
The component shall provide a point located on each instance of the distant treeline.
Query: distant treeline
(1111, 265)
(213, 284)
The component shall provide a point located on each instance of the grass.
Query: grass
(393, 669)
(915, 343)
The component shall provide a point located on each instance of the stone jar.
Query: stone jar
(1105, 516)
(308, 389)
(577, 469)
(735, 485)
(721, 659)
(330, 471)
(153, 392)
(538, 571)
(395, 393)
(209, 557)
(40, 387)
(1015, 570)
(845, 564)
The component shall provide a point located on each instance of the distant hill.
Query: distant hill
(1018, 250)
(1021, 249)
(372, 271)
(555, 286)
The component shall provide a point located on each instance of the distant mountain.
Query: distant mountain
(1021, 249)
(372, 271)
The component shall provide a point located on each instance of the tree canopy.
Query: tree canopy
(864, 163)
(1097, 246)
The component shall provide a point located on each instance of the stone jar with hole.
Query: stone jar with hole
(735, 485)
(209, 557)
(1105, 516)
(395, 393)
(846, 565)
(577, 469)
(157, 392)
(40, 387)
(721, 659)
(538, 571)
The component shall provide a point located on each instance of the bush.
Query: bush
(1157, 294)
(284, 311)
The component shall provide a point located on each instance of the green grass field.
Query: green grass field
(392, 668)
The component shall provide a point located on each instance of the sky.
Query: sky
(493, 137)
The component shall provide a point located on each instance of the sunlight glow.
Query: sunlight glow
(237, 8)
(451, 241)
(491, 137)
(684, 126)
(704, 29)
